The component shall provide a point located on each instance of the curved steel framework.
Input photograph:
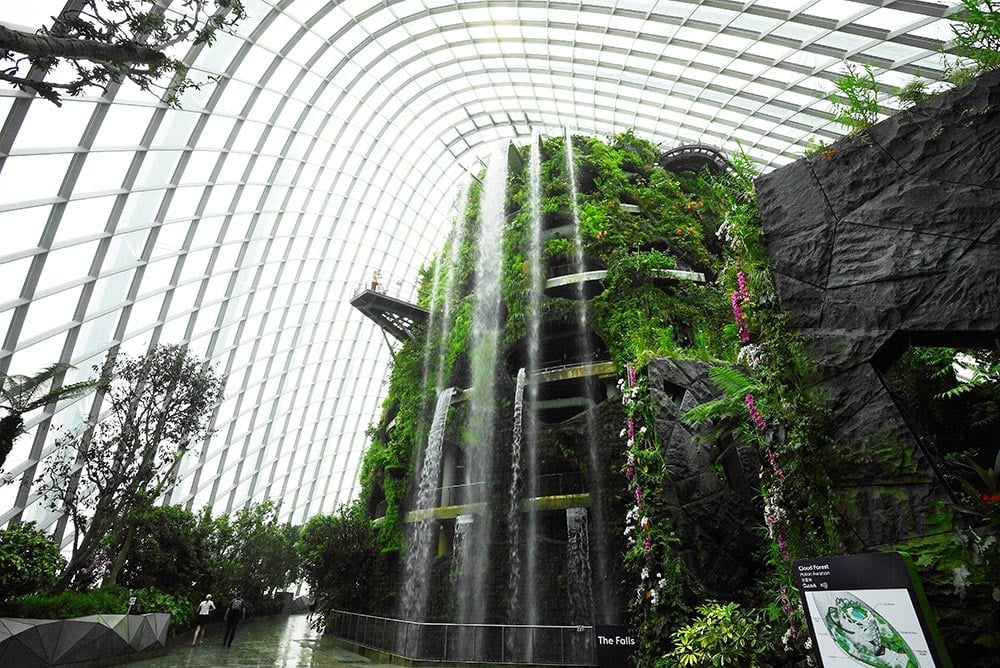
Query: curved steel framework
(242, 224)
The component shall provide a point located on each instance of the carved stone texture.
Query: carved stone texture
(914, 254)
(967, 299)
(803, 300)
(954, 136)
(930, 206)
(883, 513)
(851, 173)
(714, 520)
(798, 224)
(862, 253)
(835, 349)
(875, 306)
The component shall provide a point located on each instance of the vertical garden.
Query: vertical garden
(716, 400)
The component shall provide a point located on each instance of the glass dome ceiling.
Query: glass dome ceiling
(331, 147)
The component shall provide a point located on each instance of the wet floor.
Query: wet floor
(266, 642)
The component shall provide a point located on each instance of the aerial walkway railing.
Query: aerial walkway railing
(467, 643)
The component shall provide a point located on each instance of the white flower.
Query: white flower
(622, 433)
(662, 583)
(961, 582)
(644, 574)
(629, 443)
(751, 354)
(642, 430)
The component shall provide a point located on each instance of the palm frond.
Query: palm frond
(71, 391)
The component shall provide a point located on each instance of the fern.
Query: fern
(731, 381)
(707, 411)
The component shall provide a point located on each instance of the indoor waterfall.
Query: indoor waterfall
(597, 515)
(578, 577)
(486, 325)
(514, 503)
(529, 607)
(420, 554)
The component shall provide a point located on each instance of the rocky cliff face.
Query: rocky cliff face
(710, 487)
(884, 240)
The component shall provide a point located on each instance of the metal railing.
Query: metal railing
(549, 484)
(467, 643)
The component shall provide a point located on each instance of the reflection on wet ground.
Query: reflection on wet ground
(266, 642)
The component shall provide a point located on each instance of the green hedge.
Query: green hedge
(111, 600)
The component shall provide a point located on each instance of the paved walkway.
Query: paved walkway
(261, 643)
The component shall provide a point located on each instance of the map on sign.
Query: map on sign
(868, 627)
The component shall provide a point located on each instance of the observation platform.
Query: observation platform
(694, 158)
(599, 274)
(553, 374)
(539, 503)
(395, 316)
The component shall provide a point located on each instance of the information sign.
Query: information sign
(869, 610)
(615, 646)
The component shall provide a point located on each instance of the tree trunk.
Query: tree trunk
(35, 45)
(10, 427)
(121, 557)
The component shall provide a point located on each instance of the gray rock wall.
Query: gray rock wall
(710, 497)
(885, 239)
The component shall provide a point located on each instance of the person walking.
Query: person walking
(236, 611)
(204, 610)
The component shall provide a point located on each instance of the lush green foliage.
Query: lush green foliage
(341, 560)
(856, 103)
(29, 561)
(159, 406)
(721, 635)
(22, 394)
(96, 43)
(913, 92)
(175, 558)
(107, 600)
(662, 593)
(977, 33)
(169, 551)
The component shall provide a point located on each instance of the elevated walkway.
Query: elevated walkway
(599, 274)
(694, 158)
(395, 316)
(539, 503)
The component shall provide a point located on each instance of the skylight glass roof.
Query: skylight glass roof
(332, 146)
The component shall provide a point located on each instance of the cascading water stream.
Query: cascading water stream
(597, 514)
(416, 574)
(472, 585)
(514, 502)
(530, 597)
(419, 557)
(578, 577)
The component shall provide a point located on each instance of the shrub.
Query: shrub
(977, 33)
(721, 635)
(68, 604)
(29, 561)
(180, 608)
(857, 104)
(913, 92)
(106, 600)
